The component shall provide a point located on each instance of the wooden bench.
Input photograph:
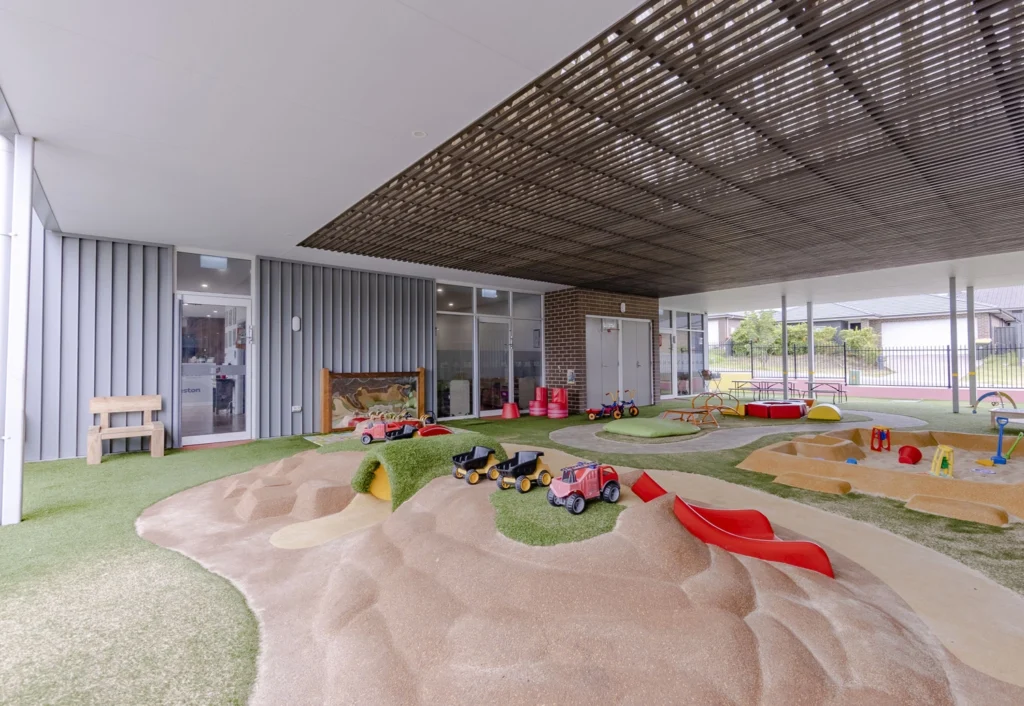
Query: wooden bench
(105, 406)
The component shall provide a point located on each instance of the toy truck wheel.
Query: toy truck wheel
(456, 472)
(504, 483)
(633, 411)
(473, 477)
(611, 492)
(591, 416)
(544, 478)
(575, 504)
(366, 439)
(616, 414)
(553, 499)
(492, 473)
(523, 484)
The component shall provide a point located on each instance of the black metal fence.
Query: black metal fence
(999, 367)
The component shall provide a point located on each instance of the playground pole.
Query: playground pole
(810, 349)
(785, 352)
(954, 366)
(972, 354)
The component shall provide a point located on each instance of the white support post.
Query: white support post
(810, 349)
(6, 195)
(954, 363)
(785, 351)
(17, 330)
(972, 354)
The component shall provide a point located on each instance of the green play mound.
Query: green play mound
(650, 427)
(412, 463)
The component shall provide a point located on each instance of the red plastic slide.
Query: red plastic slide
(746, 532)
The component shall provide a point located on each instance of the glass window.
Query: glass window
(665, 358)
(454, 366)
(697, 352)
(454, 299)
(682, 319)
(664, 318)
(213, 347)
(526, 359)
(696, 322)
(682, 363)
(212, 274)
(493, 351)
(493, 302)
(526, 306)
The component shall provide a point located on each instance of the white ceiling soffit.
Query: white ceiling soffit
(932, 278)
(245, 125)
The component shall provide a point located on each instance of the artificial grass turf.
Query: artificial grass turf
(994, 551)
(412, 463)
(92, 613)
(530, 519)
(650, 427)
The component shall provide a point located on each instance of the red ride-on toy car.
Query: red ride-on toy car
(378, 429)
(584, 481)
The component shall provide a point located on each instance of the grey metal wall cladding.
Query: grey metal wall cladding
(350, 321)
(100, 323)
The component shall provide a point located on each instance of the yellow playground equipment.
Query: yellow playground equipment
(942, 461)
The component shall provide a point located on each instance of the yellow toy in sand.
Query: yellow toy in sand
(942, 462)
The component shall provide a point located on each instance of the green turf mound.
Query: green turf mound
(650, 427)
(412, 463)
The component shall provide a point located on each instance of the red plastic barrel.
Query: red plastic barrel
(541, 394)
(559, 396)
(510, 410)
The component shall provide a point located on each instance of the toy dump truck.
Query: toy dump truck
(584, 481)
(523, 471)
(475, 464)
(379, 429)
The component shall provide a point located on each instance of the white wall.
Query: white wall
(922, 333)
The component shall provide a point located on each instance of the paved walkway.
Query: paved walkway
(585, 436)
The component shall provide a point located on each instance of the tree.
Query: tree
(824, 336)
(859, 339)
(760, 330)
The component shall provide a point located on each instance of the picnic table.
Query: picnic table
(762, 388)
(836, 387)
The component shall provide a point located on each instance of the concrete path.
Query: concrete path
(585, 436)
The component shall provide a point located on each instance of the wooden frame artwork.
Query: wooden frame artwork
(346, 395)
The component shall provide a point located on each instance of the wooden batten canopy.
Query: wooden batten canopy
(703, 145)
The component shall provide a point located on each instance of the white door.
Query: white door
(636, 361)
(214, 359)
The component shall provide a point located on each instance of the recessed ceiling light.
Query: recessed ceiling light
(214, 311)
(204, 285)
(451, 303)
(440, 290)
(208, 316)
(419, 134)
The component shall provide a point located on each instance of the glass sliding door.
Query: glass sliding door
(698, 362)
(526, 360)
(454, 365)
(665, 365)
(682, 363)
(493, 346)
(214, 369)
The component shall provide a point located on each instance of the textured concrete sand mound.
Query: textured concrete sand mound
(433, 606)
(305, 486)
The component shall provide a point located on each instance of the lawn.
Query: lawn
(528, 518)
(994, 551)
(92, 613)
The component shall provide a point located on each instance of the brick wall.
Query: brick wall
(565, 335)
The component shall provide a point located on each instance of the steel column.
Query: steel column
(810, 349)
(17, 331)
(785, 351)
(954, 368)
(972, 354)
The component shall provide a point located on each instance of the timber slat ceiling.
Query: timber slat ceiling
(703, 145)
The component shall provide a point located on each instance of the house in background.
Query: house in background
(905, 322)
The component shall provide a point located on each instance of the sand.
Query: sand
(432, 605)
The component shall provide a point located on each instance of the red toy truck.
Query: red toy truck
(584, 481)
(378, 429)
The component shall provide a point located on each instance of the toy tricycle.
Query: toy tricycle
(475, 464)
(584, 481)
(523, 471)
(630, 407)
(613, 410)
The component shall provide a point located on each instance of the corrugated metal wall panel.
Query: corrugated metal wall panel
(101, 324)
(350, 322)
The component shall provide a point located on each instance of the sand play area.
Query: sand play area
(994, 495)
(430, 604)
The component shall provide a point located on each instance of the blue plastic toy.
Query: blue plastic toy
(999, 458)
(852, 461)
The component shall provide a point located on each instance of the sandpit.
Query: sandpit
(432, 605)
(880, 473)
